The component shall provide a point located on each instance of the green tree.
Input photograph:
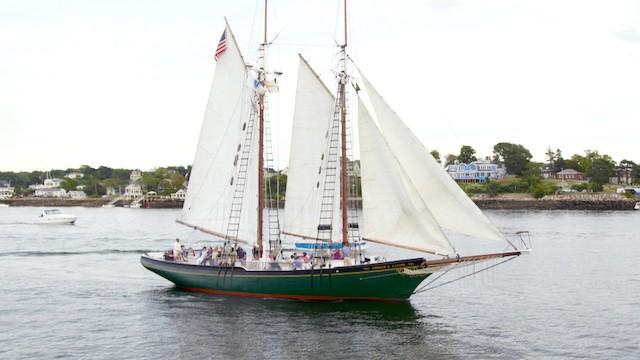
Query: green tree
(532, 174)
(467, 154)
(515, 157)
(150, 181)
(493, 188)
(626, 168)
(600, 172)
(92, 186)
(103, 172)
(69, 184)
(87, 170)
(450, 159)
(436, 155)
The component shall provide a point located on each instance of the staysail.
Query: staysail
(313, 114)
(446, 201)
(220, 150)
(394, 212)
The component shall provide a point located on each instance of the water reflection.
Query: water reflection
(245, 327)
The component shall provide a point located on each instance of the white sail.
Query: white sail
(446, 201)
(210, 190)
(394, 212)
(313, 114)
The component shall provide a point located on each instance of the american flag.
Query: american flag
(222, 45)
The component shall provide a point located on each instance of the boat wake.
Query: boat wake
(65, 253)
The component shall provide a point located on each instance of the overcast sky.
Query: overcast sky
(125, 83)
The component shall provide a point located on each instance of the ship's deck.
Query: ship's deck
(265, 264)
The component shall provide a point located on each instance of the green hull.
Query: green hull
(380, 281)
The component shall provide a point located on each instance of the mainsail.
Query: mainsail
(220, 151)
(313, 114)
(446, 202)
(393, 210)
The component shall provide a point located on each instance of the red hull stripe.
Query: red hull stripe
(291, 297)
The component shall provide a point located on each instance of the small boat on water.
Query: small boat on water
(3, 205)
(55, 216)
(637, 207)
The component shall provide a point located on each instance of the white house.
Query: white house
(6, 191)
(133, 191)
(135, 176)
(52, 183)
(75, 194)
(111, 191)
(179, 195)
(75, 175)
(50, 192)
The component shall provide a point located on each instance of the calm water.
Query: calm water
(79, 291)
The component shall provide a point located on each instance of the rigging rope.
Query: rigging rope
(424, 288)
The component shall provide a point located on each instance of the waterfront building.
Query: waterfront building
(75, 175)
(50, 192)
(570, 174)
(111, 191)
(77, 194)
(548, 172)
(179, 195)
(135, 176)
(476, 171)
(133, 191)
(6, 191)
(624, 176)
(53, 183)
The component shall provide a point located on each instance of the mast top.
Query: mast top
(345, 25)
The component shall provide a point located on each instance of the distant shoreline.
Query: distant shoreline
(574, 201)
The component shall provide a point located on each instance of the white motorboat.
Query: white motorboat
(3, 205)
(637, 207)
(55, 216)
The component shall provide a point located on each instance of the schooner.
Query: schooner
(408, 200)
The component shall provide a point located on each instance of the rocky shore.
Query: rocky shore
(573, 201)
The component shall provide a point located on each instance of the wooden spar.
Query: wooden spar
(261, 176)
(265, 23)
(345, 23)
(454, 260)
(343, 135)
(261, 143)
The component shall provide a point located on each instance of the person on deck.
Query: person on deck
(242, 255)
(177, 251)
(346, 251)
(204, 256)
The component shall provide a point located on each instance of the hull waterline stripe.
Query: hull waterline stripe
(290, 297)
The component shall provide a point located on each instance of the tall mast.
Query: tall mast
(343, 135)
(261, 139)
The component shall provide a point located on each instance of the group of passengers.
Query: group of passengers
(214, 256)
(208, 255)
(300, 262)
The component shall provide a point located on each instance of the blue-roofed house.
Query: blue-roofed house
(476, 171)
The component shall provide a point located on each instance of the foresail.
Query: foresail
(313, 112)
(214, 173)
(393, 211)
(446, 201)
